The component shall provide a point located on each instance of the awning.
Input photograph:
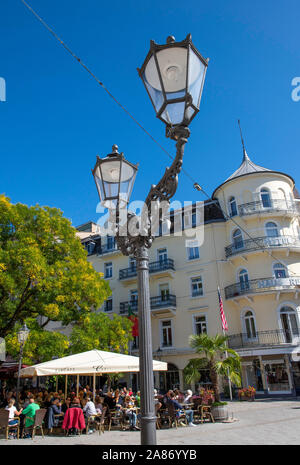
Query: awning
(87, 363)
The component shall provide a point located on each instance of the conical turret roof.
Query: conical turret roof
(247, 166)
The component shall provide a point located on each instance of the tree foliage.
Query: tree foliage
(43, 269)
(99, 331)
(40, 346)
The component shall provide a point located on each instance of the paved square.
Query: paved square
(260, 422)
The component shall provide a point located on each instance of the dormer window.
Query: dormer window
(90, 247)
(232, 207)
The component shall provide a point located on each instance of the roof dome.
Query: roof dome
(247, 166)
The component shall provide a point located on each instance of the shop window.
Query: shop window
(277, 377)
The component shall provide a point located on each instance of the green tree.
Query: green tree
(43, 268)
(214, 349)
(99, 331)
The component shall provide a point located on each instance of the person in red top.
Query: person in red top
(74, 419)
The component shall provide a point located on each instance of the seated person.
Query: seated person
(75, 403)
(109, 401)
(188, 413)
(66, 405)
(29, 413)
(188, 397)
(13, 412)
(138, 399)
(98, 404)
(127, 408)
(53, 413)
(89, 409)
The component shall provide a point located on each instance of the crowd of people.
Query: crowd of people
(122, 400)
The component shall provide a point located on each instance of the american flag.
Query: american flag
(223, 317)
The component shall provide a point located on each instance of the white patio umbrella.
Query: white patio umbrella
(93, 361)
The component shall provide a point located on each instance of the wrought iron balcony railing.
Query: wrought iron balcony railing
(256, 286)
(264, 338)
(258, 243)
(274, 205)
(154, 267)
(107, 248)
(156, 302)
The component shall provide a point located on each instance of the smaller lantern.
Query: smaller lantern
(23, 334)
(174, 75)
(114, 177)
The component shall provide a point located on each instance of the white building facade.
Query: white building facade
(251, 250)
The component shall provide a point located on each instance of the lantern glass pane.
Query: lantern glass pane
(111, 189)
(97, 176)
(174, 113)
(173, 64)
(152, 82)
(196, 77)
(128, 174)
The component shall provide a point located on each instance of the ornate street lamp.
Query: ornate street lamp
(23, 334)
(114, 177)
(173, 75)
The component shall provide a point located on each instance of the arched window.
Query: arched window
(232, 207)
(265, 198)
(272, 229)
(249, 323)
(244, 280)
(238, 242)
(279, 271)
(289, 323)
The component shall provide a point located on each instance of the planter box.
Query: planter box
(220, 413)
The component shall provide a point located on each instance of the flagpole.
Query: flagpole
(229, 380)
(226, 353)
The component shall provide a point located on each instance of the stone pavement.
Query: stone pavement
(260, 422)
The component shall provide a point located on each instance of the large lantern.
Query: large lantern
(174, 75)
(114, 177)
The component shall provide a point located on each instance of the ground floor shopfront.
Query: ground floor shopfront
(271, 372)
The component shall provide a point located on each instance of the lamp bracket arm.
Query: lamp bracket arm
(167, 186)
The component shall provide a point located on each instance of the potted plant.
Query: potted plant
(219, 411)
(213, 349)
(247, 394)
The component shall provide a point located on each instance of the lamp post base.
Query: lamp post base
(148, 430)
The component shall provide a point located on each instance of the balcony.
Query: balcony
(158, 304)
(161, 267)
(257, 286)
(280, 206)
(107, 249)
(259, 243)
(264, 339)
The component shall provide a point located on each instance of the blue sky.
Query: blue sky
(57, 119)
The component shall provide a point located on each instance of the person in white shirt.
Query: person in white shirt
(13, 412)
(188, 397)
(89, 409)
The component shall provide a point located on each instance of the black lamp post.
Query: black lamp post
(173, 75)
(23, 334)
